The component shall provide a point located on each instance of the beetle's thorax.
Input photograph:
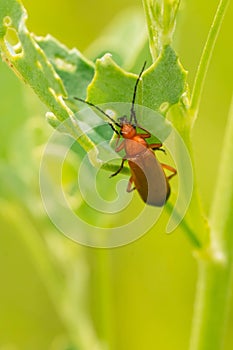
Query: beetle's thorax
(134, 144)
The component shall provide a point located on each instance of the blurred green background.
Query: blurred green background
(140, 296)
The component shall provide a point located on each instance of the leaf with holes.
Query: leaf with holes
(26, 58)
(54, 72)
(25, 55)
(72, 67)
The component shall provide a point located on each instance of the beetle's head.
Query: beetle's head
(127, 129)
(123, 120)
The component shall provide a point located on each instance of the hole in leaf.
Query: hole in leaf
(111, 113)
(12, 42)
(64, 65)
(164, 107)
(7, 21)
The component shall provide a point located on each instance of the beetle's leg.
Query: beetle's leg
(145, 136)
(157, 147)
(118, 149)
(121, 145)
(170, 168)
(129, 187)
(147, 133)
(119, 170)
(117, 141)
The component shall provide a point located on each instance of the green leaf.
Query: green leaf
(54, 72)
(164, 81)
(69, 72)
(26, 58)
(162, 84)
(111, 83)
(22, 53)
(72, 67)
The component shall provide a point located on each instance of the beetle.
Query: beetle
(147, 173)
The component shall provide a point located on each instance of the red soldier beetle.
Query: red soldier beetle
(147, 173)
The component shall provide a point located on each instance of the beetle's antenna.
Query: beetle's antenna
(100, 110)
(132, 111)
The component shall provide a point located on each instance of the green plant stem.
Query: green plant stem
(214, 284)
(216, 263)
(192, 237)
(195, 214)
(221, 213)
(160, 18)
(206, 56)
(194, 223)
(152, 31)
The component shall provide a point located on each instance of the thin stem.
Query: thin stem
(216, 266)
(194, 225)
(191, 235)
(152, 31)
(206, 56)
(221, 213)
(215, 263)
(211, 306)
(195, 213)
(160, 18)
